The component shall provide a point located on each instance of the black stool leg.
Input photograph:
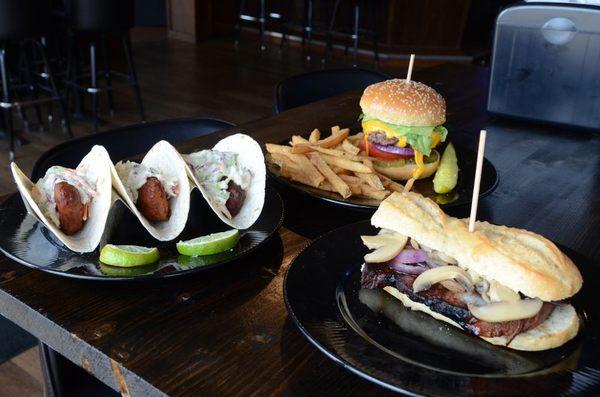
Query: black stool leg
(261, 25)
(355, 33)
(107, 73)
(308, 29)
(238, 25)
(32, 85)
(133, 77)
(5, 99)
(375, 31)
(55, 93)
(94, 85)
(328, 40)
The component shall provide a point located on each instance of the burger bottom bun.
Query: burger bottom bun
(559, 328)
(405, 172)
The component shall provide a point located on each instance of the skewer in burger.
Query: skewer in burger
(402, 123)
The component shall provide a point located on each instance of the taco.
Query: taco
(231, 177)
(157, 190)
(73, 204)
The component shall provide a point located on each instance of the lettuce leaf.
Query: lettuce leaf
(418, 138)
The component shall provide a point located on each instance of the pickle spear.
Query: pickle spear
(447, 173)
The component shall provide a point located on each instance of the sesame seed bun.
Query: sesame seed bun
(402, 102)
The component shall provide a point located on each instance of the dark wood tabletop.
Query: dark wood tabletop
(226, 332)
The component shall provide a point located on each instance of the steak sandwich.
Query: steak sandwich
(506, 285)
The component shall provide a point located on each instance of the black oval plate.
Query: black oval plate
(374, 336)
(28, 242)
(460, 195)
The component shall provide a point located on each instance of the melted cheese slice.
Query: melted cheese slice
(375, 125)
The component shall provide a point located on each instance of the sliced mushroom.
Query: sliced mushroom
(432, 276)
(500, 293)
(414, 244)
(386, 250)
(374, 242)
(498, 312)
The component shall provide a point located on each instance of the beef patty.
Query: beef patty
(449, 304)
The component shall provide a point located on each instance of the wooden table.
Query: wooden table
(227, 332)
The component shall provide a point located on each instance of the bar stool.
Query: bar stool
(21, 23)
(307, 28)
(356, 30)
(99, 18)
(262, 18)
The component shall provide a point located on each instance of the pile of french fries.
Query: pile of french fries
(334, 164)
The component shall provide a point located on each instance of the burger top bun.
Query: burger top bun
(407, 103)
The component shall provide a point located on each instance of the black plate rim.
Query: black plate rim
(340, 360)
(154, 276)
(370, 208)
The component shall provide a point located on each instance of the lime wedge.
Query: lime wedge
(210, 244)
(128, 255)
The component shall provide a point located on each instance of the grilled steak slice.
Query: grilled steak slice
(449, 304)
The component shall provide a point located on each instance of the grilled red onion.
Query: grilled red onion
(416, 268)
(408, 255)
(410, 261)
(405, 152)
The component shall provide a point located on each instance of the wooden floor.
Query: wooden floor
(178, 79)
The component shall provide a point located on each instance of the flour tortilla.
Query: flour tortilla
(97, 165)
(164, 158)
(250, 156)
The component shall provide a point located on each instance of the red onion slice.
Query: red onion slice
(415, 269)
(405, 152)
(409, 255)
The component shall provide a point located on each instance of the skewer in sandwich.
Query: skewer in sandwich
(505, 285)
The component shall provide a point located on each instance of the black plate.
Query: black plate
(412, 352)
(460, 195)
(27, 241)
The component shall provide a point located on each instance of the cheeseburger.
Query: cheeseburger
(402, 124)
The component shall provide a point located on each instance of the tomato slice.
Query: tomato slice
(378, 153)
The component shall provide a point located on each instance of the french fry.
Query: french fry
(367, 161)
(335, 130)
(390, 184)
(306, 167)
(297, 139)
(296, 175)
(351, 179)
(341, 171)
(346, 164)
(349, 148)
(334, 139)
(280, 159)
(315, 136)
(371, 180)
(338, 184)
(368, 191)
(272, 148)
(355, 138)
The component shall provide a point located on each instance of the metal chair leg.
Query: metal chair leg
(107, 73)
(328, 40)
(5, 98)
(261, 25)
(375, 31)
(238, 25)
(133, 77)
(308, 29)
(94, 85)
(32, 85)
(54, 89)
(356, 32)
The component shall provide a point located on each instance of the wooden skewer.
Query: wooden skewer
(476, 185)
(410, 67)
